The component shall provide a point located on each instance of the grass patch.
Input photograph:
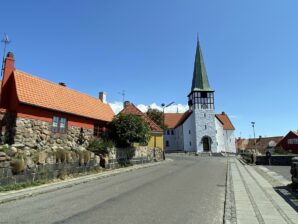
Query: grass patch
(61, 176)
(20, 186)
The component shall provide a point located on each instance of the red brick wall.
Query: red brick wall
(284, 143)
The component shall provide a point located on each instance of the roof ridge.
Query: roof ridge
(56, 84)
(143, 114)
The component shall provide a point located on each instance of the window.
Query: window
(204, 94)
(189, 143)
(172, 132)
(167, 143)
(204, 114)
(99, 129)
(168, 132)
(189, 132)
(293, 141)
(205, 127)
(59, 124)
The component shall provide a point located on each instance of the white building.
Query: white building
(199, 129)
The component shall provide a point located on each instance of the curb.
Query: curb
(46, 188)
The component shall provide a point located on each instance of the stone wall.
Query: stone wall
(36, 134)
(136, 152)
(7, 127)
(47, 172)
(276, 160)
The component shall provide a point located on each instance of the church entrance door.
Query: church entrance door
(206, 144)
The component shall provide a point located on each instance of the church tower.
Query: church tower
(201, 104)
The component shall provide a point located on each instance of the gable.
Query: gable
(132, 109)
(225, 121)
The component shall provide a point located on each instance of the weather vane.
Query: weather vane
(6, 41)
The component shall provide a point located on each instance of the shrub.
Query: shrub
(157, 116)
(127, 129)
(100, 146)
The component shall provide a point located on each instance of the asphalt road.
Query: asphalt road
(281, 170)
(188, 190)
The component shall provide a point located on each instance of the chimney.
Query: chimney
(126, 104)
(62, 84)
(103, 97)
(223, 113)
(8, 67)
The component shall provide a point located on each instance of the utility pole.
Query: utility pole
(163, 105)
(6, 41)
(255, 141)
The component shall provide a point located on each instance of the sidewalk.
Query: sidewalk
(45, 188)
(253, 198)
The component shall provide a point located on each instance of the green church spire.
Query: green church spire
(200, 79)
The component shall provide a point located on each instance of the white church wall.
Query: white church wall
(169, 140)
(205, 126)
(189, 133)
(173, 139)
(220, 136)
(230, 141)
(179, 138)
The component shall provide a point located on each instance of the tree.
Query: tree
(157, 116)
(127, 129)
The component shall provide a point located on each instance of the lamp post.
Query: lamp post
(253, 127)
(163, 105)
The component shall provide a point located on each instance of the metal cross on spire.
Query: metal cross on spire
(6, 41)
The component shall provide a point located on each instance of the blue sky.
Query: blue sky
(147, 48)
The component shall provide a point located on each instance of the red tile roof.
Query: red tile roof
(172, 119)
(45, 94)
(262, 143)
(132, 109)
(224, 119)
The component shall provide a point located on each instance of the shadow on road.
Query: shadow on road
(290, 196)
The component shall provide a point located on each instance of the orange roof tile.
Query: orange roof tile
(225, 120)
(262, 143)
(173, 119)
(132, 109)
(42, 93)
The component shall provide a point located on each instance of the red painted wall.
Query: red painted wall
(31, 112)
(284, 143)
(11, 103)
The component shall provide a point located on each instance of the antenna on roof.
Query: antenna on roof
(123, 95)
(6, 41)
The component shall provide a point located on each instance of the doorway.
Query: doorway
(206, 143)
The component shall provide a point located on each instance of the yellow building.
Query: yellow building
(156, 140)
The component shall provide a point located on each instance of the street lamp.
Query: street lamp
(163, 105)
(253, 127)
